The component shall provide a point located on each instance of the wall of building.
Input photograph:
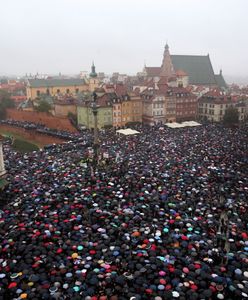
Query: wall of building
(62, 110)
(32, 92)
(137, 109)
(83, 116)
(170, 109)
(147, 117)
(93, 84)
(104, 116)
(43, 118)
(126, 112)
(117, 107)
(183, 81)
(186, 108)
(216, 111)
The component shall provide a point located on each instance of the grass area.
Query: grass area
(19, 137)
(21, 144)
(24, 146)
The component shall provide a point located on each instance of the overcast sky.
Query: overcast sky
(52, 36)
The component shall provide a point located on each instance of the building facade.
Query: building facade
(53, 87)
(117, 113)
(154, 108)
(85, 116)
(213, 105)
(63, 107)
(186, 104)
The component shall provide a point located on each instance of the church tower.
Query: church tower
(167, 69)
(93, 80)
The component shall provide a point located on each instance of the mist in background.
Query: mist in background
(52, 36)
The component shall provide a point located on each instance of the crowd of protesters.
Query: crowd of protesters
(166, 218)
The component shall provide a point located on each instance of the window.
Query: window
(58, 91)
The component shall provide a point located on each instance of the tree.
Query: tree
(5, 102)
(43, 106)
(231, 116)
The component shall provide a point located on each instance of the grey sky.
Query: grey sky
(50, 36)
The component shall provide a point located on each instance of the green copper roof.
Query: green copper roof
(55, 82)
(93, 73)
(198, 68)
(220, 81)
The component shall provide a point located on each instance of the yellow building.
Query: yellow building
(136, 108)
(53, 87)
(117, 118)
(126, 108)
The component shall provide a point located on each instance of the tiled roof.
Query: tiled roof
(55, 82)
(214, 93)
(223, 100)
(121, 90)
(216, 96)
(104, 101)
(198, 68)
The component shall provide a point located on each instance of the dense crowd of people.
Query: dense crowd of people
(166, 218)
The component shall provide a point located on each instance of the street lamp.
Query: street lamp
(95, 143)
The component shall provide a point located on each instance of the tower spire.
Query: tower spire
(167, 68)
(93, 70)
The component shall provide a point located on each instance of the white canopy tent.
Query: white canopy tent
(127, 131)
(183, 124)
(191, 123)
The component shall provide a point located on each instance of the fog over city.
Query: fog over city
(67, 35)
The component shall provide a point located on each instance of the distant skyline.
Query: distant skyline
(52, 36)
